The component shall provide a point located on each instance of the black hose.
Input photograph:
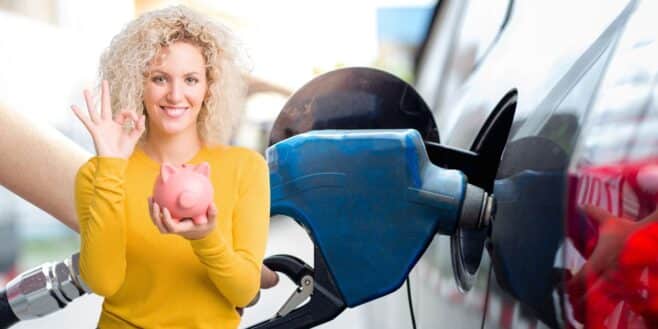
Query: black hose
(411, 304)
(7, 316)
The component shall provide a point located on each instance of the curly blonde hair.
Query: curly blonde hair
(125, 66)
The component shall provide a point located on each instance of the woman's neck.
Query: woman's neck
(176, 150)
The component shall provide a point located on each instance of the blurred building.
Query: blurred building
(400, 31)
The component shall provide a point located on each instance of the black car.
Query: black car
(574, 239)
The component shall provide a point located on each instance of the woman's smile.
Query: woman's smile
(174, 112)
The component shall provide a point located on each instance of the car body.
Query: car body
(572, 242)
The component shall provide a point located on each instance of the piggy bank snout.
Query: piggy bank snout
(188, 199)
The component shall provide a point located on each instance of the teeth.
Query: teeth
(174, 111)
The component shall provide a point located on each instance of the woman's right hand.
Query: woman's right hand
(110, 137)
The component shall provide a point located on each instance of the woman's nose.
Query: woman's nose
(175, 93)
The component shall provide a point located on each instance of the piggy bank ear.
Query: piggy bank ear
(203, 168)
(166, 171)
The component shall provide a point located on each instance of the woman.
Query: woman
(170, 92)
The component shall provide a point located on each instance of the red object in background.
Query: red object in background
(8, 275)
(638, 268)
(618, 285)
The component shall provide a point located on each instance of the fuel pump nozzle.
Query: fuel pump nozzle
(371, 201)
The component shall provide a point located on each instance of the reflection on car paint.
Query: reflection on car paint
(613, 224)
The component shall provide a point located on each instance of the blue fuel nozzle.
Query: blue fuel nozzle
(371, 201)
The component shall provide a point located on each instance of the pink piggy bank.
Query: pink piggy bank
(185, 191)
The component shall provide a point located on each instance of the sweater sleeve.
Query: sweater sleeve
(99, 204)
(235, 270)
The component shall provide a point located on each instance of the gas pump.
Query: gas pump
(353, 160)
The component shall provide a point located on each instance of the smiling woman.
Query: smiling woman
(175, 90)
(136, 54)
(171, 88)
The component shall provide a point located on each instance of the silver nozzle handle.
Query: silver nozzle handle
(46, 288)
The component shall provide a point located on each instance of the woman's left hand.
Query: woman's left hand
(186, 227)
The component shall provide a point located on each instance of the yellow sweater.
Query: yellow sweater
(151, 280)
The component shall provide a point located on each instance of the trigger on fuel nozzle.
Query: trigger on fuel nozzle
(313, 285)
(371, 201)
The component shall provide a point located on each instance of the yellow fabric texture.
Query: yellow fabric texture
(153, 280)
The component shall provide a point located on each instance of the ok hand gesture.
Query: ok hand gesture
(111, 138)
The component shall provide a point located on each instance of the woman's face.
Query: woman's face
(175, 89)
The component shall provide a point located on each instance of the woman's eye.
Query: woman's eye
(191, 81)
(158, 79)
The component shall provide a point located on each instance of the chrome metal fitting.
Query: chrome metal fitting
(478, 208)
(45, 289)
